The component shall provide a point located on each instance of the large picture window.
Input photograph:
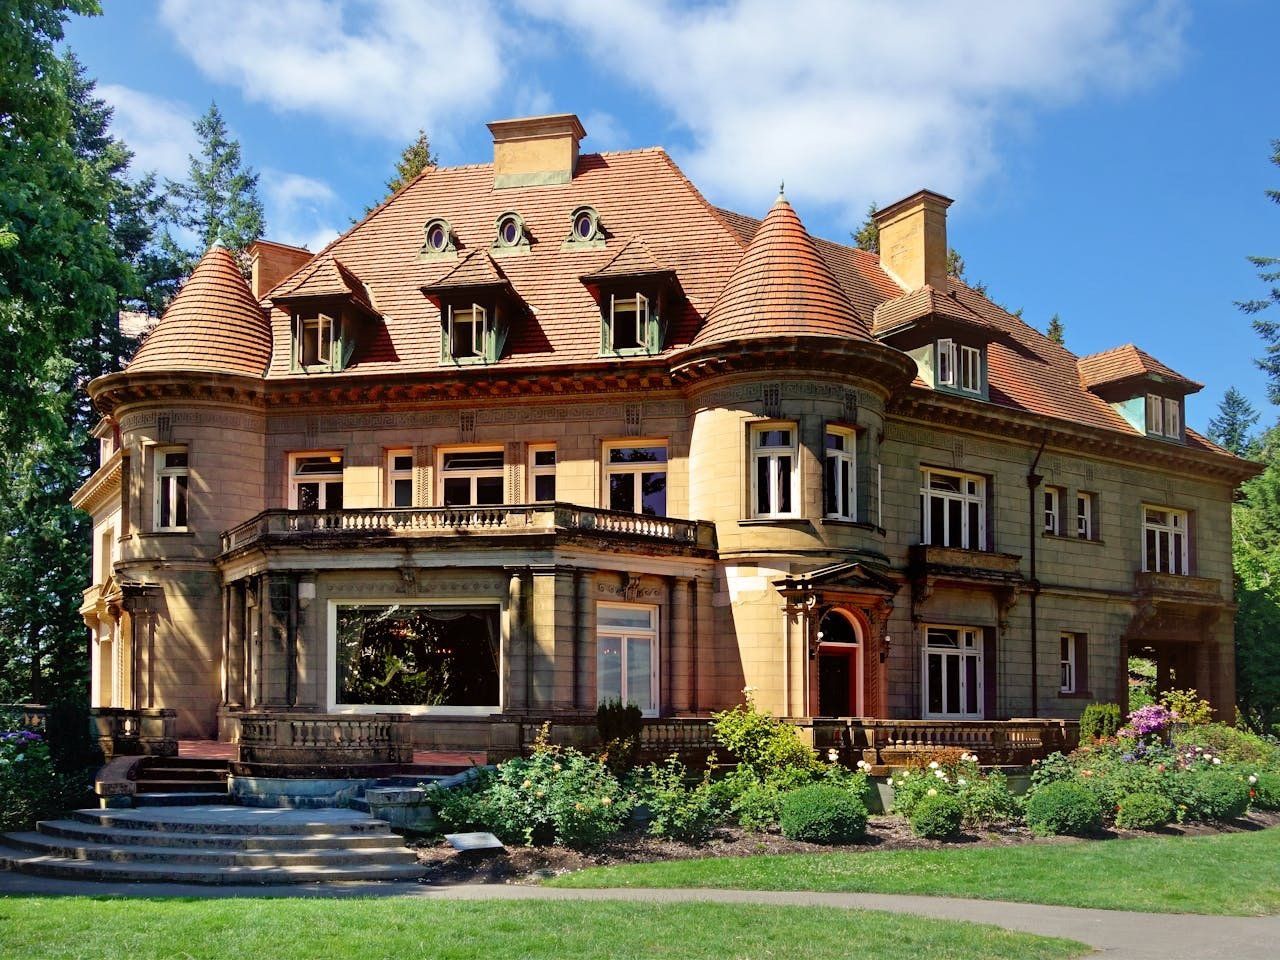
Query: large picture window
(315, 481)
(471, 478)
(1164, 542)
(636, 479)
(627, 655)
(953, 673)
(417, 655)
(171, 488)
(953, 508)
(773, 470)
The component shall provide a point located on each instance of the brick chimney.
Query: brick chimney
(913, 239)
(271, 262)
(532, 151)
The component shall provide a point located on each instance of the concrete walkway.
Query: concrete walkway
(1113, 933)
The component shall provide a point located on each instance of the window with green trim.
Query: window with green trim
(631, 325)
(472, 333)
(321, 343)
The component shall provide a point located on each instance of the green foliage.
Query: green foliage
(938, 817)
(1216, 796)
(823, 813)
(681, 810)
(1063, 807)
(1232, 427)
(1192, 710)
(1056, 331)
(31, 787)
(1232, 744)
(983, 796)
(619, 725)
(867, 236)
(416, 157)
(1255, 548)
(761, 742)
(1100, 721)
(1268, 268)
(1144, 811)
(1265, 793)
(218, 202)
(71, 742)
(1142, 683)
(556, 796)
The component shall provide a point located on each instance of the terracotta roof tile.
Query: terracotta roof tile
(633, 260)
(923, 303)
(782, 287)
(476, 269)
(325, 276)
(1127, 363)
(213, 323)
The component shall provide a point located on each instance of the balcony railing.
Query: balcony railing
(892, 742)
(980, 564)
(1175, 587)
(518, 519)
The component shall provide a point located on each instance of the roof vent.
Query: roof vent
(533, 151)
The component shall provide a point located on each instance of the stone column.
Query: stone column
(235, 695)
(517, 680)
(581, 638)
(540, 622)
(678, 626)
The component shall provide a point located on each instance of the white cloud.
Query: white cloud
(605, 132)
(862, 100)
(387, 67)
(299, 210)
(157, 130)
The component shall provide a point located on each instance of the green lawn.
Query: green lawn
(34, 928)
(1235, 873)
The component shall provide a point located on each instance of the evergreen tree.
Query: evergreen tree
(1231, 427)
(415, 158)
(219, 200)
(867, 236)
(1255, 536)
(1269, 273)
(1056, 332)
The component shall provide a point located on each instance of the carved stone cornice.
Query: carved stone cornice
(103, 485)
(116, 389)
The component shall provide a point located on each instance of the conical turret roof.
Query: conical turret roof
(782, 287)
(213, 323)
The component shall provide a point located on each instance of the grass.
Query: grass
(1228, 874)
(36, 928)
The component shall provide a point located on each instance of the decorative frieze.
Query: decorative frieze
(141, 420)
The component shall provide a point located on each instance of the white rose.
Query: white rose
(890, 781)
(1252, 778)
(961, 781)
(933, 765)
(1217, 760)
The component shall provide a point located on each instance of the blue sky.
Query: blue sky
(1107, 157)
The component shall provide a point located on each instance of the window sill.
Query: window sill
(1066, 536)
(858, 524)
(176, 532)
(772, 521)
(1076, 695)
(628, 352)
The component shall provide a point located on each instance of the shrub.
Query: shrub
(1216, 795)
(619, 725)
(31, 788)
(761, 742)
(72, 745)
(1152, 720)
(1266, 791)
(821, 813)
(1056, 766)
(758, 806)
(681, 811)
(1230, 743)
(986, 800)
(1188, 707)
(1063, 807)
(1144, 811)
(937, 817)
(1100, 721)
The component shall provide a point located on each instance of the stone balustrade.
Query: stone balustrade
(889, 742)
(124, 732)
(23, 716)
(284, 526)
(321, 740)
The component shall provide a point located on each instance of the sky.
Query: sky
(1108, 158)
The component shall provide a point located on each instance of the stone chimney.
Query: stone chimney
(532, 151)
(913, 239)
(271, 262)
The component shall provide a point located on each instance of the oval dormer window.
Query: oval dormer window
(584, 226)
(439, 236)
(436, 238)
(510, 230)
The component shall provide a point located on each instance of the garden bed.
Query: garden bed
(520, 864)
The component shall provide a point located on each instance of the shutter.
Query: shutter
(1082, 663)
(496, 340)
(345, 345)
(989, 673)
(445, 313)
(655, 330)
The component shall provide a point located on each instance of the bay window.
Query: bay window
(774, 486)
(953, 509)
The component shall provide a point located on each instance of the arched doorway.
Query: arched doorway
(839, 666)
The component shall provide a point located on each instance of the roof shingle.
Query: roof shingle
(1126, 363)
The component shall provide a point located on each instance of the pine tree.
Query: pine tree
(219, 201)
(1056, 332)
(415, 158)
(1269, 273)
(867, 236)
(1231, 427)
(1255, 534)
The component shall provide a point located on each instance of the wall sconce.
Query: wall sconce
(884, 647)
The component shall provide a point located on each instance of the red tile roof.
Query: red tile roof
(1128, 363)
(325, 276)
(782, 287)
(213, 323)
(633, 260)
(476, 269)
(922, 304)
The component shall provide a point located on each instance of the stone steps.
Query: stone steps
(181, 781)
(182, 798)
(212, 845)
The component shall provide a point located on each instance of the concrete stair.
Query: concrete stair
(212, 845)
(181, 781)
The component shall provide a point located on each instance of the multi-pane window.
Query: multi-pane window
(1164, 417)
(1084, 515)
(1164, 541)
(959, 367)
(315, 481)
(627, 655)
(953, 509)
(171, 488)
(1067, 659)
(970, 370)
(840, 491)
(542, 473)
(400, 478)
(628, 322)
(471, 478)
(953, 672)
(467, 332)
(635, 478)
(314, 341)
(1052, 507)
(773, 470)
(947, 363)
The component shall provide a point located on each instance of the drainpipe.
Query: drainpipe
(1033, 484)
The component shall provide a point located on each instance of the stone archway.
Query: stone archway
(839, 665)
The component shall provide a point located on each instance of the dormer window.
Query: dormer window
(438, 238)
(1164, 417)
(628, 322)
(960, 368)
(467, 333)
(585, 230)
(510, 234)
(318, 343)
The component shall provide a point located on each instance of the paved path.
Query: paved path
(1115, 934)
